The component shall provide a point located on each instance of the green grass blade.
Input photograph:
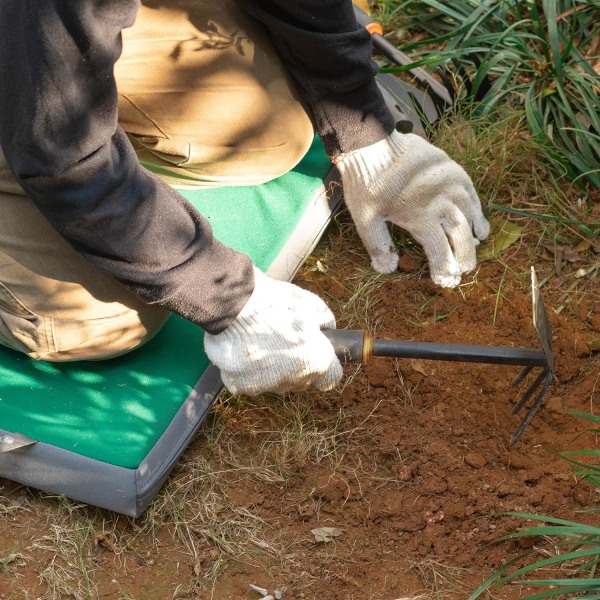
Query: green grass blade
(452, 11)
(557, 592)
(585, 415)
(572, 584)
(487, 584)
(555, 520)
(523, 213)
(553, 38)
(583, 452)
(540, 29)
(554, 560)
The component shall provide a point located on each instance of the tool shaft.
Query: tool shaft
(355, 345)
(500, 355)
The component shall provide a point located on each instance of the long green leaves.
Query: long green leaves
(537, 54)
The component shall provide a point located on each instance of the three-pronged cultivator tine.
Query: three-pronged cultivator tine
(544, 379)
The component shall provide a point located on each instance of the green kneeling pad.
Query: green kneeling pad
(107, 433)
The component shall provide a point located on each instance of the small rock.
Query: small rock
(517, 461)
(504, 490)
(331, 488)
(580, 345)
(405, 473)
(261, 590)
(435, 516)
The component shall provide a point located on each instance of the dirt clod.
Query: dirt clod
(475, 460)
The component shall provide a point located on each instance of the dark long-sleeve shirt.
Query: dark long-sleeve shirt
(60, 136)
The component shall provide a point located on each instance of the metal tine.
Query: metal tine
(529, 392)
(544, 332)
(517, 380)
(538, 401)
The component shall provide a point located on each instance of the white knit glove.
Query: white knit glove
(409, 182)
(275, 344)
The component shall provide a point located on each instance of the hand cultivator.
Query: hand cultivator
(360, 346)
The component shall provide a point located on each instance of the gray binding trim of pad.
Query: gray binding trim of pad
(155, 468)
(59, 471)
(309, 229)
(129, 491)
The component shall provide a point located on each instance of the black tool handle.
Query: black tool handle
(500, 355)
(354, 345)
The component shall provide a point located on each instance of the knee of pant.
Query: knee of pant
(197, 162)
(61, 340)
(201, 113)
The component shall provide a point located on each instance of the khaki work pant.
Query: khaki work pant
(206, 102)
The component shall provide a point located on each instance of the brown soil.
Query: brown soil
(420, 480)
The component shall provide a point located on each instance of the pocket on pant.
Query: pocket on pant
(22, 329)
(9, 302)
(174, 152)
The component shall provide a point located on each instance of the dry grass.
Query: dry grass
(210, 526)
(193, 515)
(353, 292)
(67, 572)
(440, 581)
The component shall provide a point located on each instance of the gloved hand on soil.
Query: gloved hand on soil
(409, 182)
(275, 344)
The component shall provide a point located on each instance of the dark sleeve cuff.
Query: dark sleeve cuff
(347, 122)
